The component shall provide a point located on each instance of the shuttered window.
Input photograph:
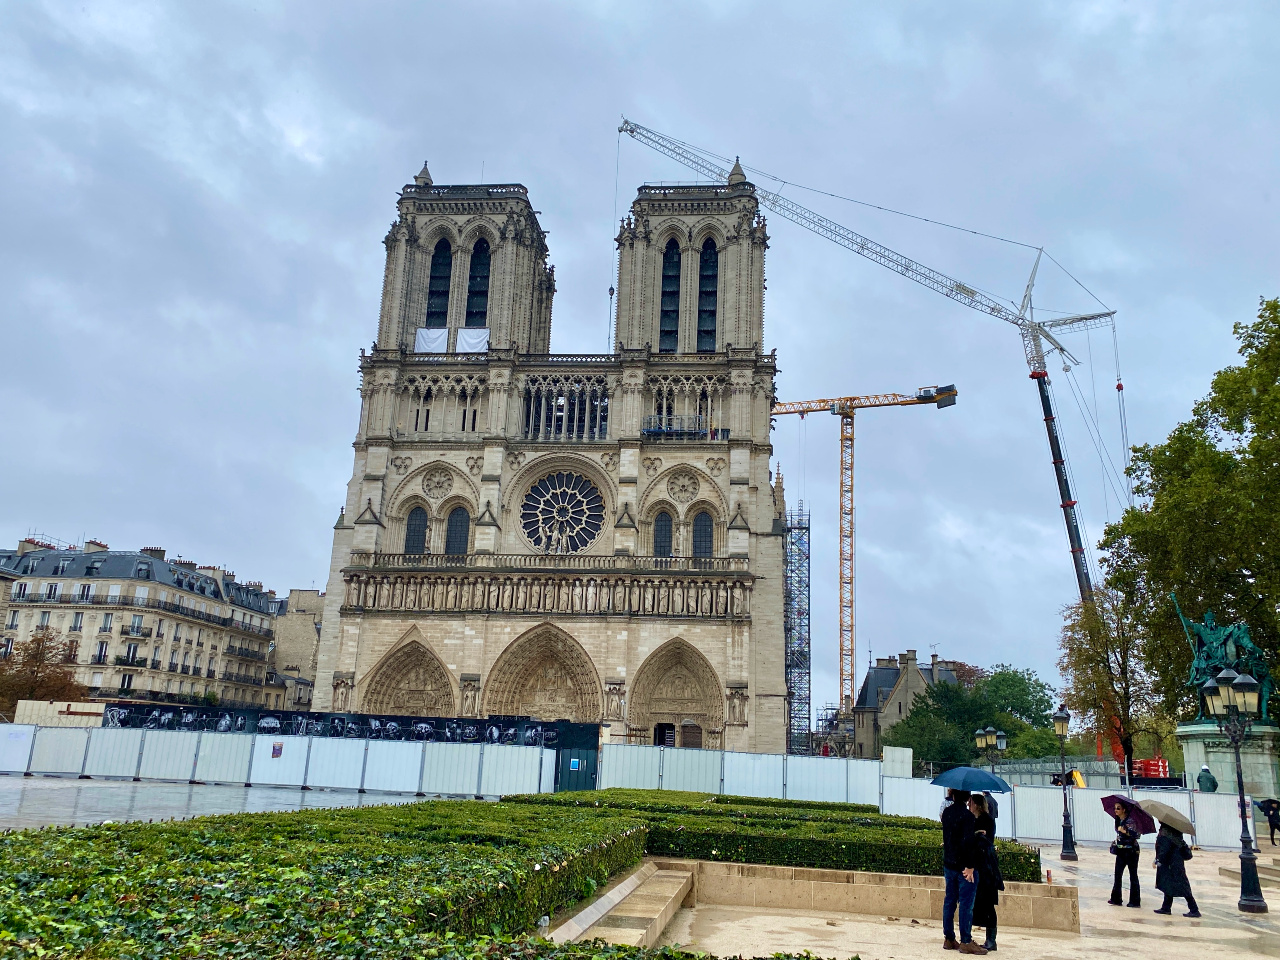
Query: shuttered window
(669, 317)
(708, 282)
(438, 285)
(478, 285)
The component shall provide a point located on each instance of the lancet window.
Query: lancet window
(566, 408)
(669, 316)
(458, 532)
(662, 535)
(438, 285)
(708, 283)
(415, 532)
(702, 535)
(478, 285)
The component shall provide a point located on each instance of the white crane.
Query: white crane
(1034, 334)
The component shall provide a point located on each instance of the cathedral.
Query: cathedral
(586, 537)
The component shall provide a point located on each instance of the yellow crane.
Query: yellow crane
(845, 408)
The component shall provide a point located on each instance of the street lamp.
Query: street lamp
(1061, 726)
(1232, 700)
(990, 742)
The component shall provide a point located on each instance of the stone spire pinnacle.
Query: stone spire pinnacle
(736, 175)
(423, 179)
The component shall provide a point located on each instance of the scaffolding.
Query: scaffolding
(795, 629)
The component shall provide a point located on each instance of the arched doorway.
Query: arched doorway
(677, 698)
(410, 681)
(545, 674)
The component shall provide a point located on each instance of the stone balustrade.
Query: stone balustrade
(548, 561)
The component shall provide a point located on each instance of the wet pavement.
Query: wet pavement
(1105, 931)
(66, 801)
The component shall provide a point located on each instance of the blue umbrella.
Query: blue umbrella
(971, 779)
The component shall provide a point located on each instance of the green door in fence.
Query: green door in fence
(577, 769)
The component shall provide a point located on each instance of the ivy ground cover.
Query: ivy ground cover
(741, 830)
(415, 880)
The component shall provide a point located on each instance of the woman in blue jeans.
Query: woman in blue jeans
(960, 873)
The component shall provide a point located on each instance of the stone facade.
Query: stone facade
(886, 696)
(588, 537)
(143, 627)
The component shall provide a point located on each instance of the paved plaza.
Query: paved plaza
(66, 801)
(1105, 931)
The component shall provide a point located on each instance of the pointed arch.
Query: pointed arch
(669, 308)
(478, 285)
(546, 674)
(708, 295)
(438, 284)
(677, 687)
(409, 681)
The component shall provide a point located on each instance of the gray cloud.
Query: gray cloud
(194, 198)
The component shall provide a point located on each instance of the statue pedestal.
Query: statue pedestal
(1202, 743)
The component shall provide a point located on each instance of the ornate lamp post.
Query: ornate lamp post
(1061, 725)
(990, 742)
(1232, 700)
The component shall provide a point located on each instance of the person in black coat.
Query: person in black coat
(990, 880)
(1172, 853)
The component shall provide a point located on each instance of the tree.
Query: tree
(1019, 693)
(1209, 527)
(1104, 660)
(37, 669)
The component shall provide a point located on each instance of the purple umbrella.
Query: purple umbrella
(1140, 817)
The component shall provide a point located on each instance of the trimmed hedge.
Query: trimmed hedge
(370, 881)
(697, 827)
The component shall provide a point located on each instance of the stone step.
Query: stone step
(639, 918)
(1270, 878)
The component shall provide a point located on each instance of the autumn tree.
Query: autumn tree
(38, 668)
(1104, 659)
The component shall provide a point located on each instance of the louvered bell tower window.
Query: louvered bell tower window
(669, 318)
(438, 285)
(478, 285)
(708, 281)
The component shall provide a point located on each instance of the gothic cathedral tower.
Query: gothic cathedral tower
(564, 536)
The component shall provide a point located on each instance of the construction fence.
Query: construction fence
(1029, 813)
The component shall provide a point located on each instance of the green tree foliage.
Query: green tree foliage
(943, 720)
(1208, 526)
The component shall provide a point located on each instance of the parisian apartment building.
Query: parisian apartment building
(140, 627)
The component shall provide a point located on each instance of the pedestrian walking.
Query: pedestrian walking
(990, 880)
(959, 874)
(1172, 853)
(1125, 848)
(1272, 809)
(1206, 781)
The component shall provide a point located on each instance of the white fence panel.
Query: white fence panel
(168, 755)
(224, 758)
(817, 778)
(911, 798)
(284, 770)
(1039, 812)
(753, 774)
(1006, 814)
(335, 763)
(451, 768)
(688, 769)
(548, 784)
(1090, 820)
(629, 765)
(864, 781)
(393, 766)
(113, 752)
(59, 749)
(1218, 819)
(510, 769)
(15, 747)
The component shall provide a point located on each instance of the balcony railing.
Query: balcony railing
(155, 664)
(245, 652)
(186, 668)
(128, 630)
(149, 604)
(173, 668)
(98, 659)
(127, 661)
(210, 673)
(681, 428)
(241, 678)
(550, 561)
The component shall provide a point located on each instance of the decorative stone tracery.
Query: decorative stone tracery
(410, 681)
(544, 674)
(676, 685)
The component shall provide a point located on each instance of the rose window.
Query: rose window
(562, 513)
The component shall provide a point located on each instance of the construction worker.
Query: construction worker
(1206, 781)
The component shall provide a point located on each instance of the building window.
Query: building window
(438, 285)
(106, 623)
(131, 652)
(51, 591)
(478, 285)
(102, 651)
(669, 317)
(415, 532)
(708, 279)
(44, 617)
(144, 571)
(136, 626)
(20, 591)
(13, 620)
(86, 591)
(458, 532)
(662, 535)
(702, 535)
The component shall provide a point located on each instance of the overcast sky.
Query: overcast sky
(193, 198)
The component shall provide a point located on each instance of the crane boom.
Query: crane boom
(936, 280)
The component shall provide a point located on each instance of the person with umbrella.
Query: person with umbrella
(990, 881)
(960, 866)
(1172, 853)
(1131, 823)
